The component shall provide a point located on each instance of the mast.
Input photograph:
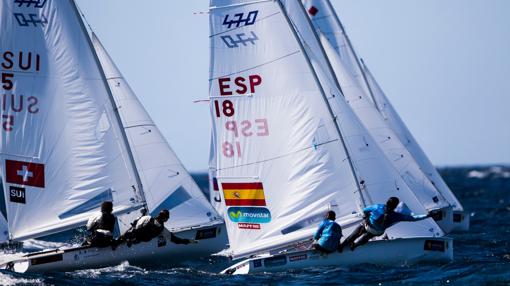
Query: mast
(139, 189)
(349, 44)
(314, 73)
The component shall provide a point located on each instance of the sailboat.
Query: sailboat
(367, 98)
(74, 135)
(287, 148)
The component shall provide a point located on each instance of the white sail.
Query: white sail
(281, 157)
(377, 171)
(62, 148)
(387, 140)
(355, 77)
(323, 15)
(395, 122)
(167, 184)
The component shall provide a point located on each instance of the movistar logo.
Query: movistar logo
(249, 214)
(235, 215)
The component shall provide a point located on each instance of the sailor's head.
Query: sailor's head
(331, 215)
(163, 216)
(106, 207)
(392, 203)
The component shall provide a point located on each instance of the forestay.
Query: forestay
(167, 184)
(355, 78)
(62, 148)
(281, 160)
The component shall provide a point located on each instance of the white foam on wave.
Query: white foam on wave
(123, 270)
(477, 174)
(7, 280)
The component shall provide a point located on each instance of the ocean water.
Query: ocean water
(481, 256)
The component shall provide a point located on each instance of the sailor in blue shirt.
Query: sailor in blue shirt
(327, 237)
(377, 219)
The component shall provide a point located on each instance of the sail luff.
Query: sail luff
(323, 94)
(353, 52)
(139, 189)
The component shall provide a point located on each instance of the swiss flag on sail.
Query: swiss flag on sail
(24, 173)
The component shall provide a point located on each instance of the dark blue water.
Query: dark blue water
(482, 256)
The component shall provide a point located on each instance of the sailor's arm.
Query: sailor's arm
(367, 211)
(92, 222)
(404, 217)
(318, 233)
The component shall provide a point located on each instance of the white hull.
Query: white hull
(461, 221)
(159, 251)
(383, 252)
(445, 219)
(453, 220)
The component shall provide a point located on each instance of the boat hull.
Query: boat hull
(461, 221)
(451, 220)
(158, 251)
(383, 252)
(444, 218)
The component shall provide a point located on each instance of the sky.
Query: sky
(444, 65)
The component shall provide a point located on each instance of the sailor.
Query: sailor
(327, 237)
(100, 227)
(146, 228)
(377, 218)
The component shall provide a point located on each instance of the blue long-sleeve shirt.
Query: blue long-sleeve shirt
(375, 213)
(328, 234)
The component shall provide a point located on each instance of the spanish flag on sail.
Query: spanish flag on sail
(244, 194)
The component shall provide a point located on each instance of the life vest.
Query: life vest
(102, 223)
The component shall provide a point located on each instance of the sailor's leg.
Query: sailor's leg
(363, 240)
(359, 231)
(321, 249)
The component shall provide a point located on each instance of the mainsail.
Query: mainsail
(166, 182)
(63, 150)
(286, 148)
(353, 74)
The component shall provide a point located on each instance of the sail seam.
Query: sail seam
(257, 66)
(314, 146)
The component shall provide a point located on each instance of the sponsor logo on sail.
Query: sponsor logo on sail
(254, 226)
(249, 215)
(24, 173)
(244, 194)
